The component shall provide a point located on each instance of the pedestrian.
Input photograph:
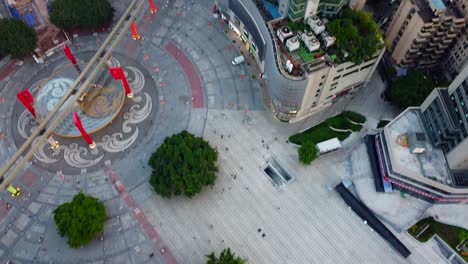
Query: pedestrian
(8, 205)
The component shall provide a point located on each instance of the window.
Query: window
(340, 70)
(337, 77)
(367, 66)
(323, 76)
(246, 34)
(253, 47)
(344, 75)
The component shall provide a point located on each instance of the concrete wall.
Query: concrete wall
(311, 8)
(458, 157)
(357, 4)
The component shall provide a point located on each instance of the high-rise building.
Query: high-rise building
(422, 31)
(457, 56)
(445, 113)
(423, 151)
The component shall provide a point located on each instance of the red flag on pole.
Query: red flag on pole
(152, 6)
(135, 33)
(69, 54)
(118, 74)
(79, 125)
(26, 98)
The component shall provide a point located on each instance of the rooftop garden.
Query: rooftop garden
(456, 237)
(357, 35)
(339, 126)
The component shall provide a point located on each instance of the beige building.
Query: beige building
(422, 31)
(457, 57)
(326, 84)
(300, 82)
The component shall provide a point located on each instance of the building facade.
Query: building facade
(457, 56)
(421, 32)
(445, 113)
(293, 97)
(295, 10)
(330, 8)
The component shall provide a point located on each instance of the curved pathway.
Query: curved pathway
(198, 98)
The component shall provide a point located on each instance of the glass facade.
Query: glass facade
(437, 118)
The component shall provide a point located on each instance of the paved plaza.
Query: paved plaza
(183, 79)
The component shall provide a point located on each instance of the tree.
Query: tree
(88, 14)
(412, 89)
(80, 219)
(183, 164)
(308, 152)
(17, 39)
(357, 34)
(226, 257)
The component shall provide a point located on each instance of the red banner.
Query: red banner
(77, 121)
(135, 33)
(117, 73)
(26, 98)
(152, 6)
(70, 56)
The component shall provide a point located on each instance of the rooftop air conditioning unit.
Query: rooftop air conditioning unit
(293, 44)
(284, 33)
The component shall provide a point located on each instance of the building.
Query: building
(423, 151)
(296, 10)
(457, 56)
(421, 32)
(299, 85)
(330, 8)
(445, 113)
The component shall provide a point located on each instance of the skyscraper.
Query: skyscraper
(422, 31)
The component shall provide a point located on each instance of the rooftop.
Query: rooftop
(427, 9)
(303, 60)
(430, 164)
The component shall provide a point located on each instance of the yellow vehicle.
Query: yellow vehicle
(14, 191)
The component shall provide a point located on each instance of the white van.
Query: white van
(238, 60)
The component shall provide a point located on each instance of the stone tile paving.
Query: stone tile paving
(301, 222)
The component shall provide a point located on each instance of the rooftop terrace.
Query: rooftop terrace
(429, 165)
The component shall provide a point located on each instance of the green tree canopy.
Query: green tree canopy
(17, 39)
(357, 34)
(183, 164)
(308, 152)
(89, 14)
(80, 220)
(412, 89)
(226, 257)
